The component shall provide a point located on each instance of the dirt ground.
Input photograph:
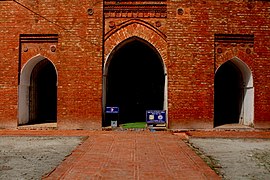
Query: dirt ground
(235, 158)
(33, 157)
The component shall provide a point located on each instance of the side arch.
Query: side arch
(246, 116)
(24, 87)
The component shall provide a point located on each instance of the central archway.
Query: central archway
(135, 80)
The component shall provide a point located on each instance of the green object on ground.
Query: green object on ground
(134, 125)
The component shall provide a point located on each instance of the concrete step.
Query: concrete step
(43, 126)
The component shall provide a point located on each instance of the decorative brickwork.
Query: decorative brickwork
(228, 46)
(136, 28)
(135, 11)
(33, 44)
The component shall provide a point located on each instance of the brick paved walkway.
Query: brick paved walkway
(133, 155)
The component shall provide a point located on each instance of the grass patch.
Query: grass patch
(134, 125)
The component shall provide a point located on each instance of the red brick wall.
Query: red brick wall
(191, 51)
(77, 58)
(185, 41)
(9, 65)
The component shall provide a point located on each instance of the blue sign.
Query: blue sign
(112, 110)
(155, 116)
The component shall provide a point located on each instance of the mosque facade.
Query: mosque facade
(204, 63)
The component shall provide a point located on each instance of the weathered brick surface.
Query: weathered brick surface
(78, 57)
(184, 39)
(191, 52)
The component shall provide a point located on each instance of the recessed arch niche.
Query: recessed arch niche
(234, 94)
(38, 91)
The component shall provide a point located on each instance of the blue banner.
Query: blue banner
(112, 110)
(155, 116)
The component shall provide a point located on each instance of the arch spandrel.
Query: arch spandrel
(140, 29)
(126, 41)
(235, 54)
(27, 68)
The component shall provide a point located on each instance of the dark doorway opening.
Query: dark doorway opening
(135, 81)
(228, 94)
(43, 93)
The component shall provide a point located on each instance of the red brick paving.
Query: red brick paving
(134, 155)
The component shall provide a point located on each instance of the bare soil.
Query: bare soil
(235, 158)
(33, 157)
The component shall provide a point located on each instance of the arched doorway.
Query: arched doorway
(135, 80)
(42, 93)
(38, 92)
(234, 94)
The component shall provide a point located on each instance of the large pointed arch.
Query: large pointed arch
(136, 28)
(236, 72)
(36, 63)
(135, 67)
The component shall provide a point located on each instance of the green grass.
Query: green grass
(134, 125)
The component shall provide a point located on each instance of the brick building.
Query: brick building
(207, 63)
